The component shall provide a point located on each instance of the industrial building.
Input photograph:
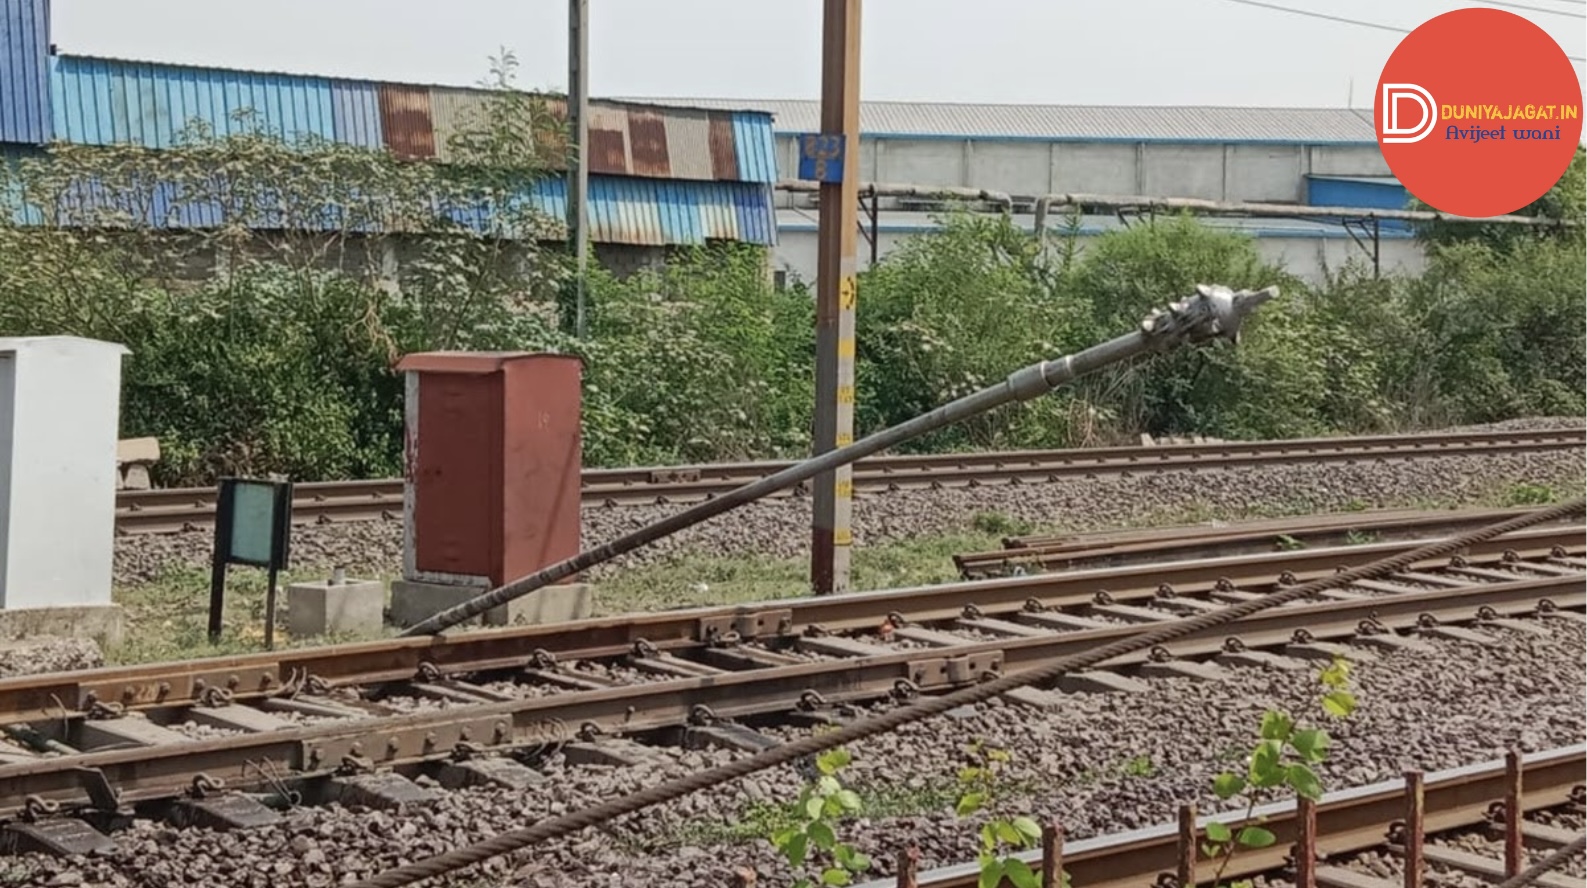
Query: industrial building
(1303, 156)
(659, 177)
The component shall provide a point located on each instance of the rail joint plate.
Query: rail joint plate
(746, 624)
(405, 743)
(970, 668)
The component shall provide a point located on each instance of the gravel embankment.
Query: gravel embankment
(780, 528)
(1453, 705)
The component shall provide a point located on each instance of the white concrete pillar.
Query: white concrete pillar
(60, 400)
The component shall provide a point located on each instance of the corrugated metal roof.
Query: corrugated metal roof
(1069, 122)
(629, 210)
(754, 147)
(24, 71)
(405, 120)
(622, 210)
(356, 111)
(105, 101)
(688, 144)
(452, 110)
(102, 102)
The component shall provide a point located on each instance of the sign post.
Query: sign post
(253, 526)
(831, 157)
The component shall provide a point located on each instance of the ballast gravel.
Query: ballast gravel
(1100, 763)
(781, 527)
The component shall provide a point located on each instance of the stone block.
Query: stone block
(413, 603)
(322, 607)
(136, 477)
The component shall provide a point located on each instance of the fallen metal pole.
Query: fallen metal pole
(1213, 313)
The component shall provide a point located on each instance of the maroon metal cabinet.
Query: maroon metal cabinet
(492, 464)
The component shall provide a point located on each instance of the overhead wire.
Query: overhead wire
(1347, 21)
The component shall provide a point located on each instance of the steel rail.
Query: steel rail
(1348, 821)
(170, 510)
(167, 770)
(1240, 538)
(786, 753)
(69, 694)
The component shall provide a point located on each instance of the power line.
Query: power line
(1543, 9)
(1347, 21)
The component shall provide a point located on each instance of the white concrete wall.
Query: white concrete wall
(60, 400)
(1231, 172)
(1309, 258)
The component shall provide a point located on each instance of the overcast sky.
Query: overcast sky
(1216, 52)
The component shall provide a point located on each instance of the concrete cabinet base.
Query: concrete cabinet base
(323, 608)
(413, 603)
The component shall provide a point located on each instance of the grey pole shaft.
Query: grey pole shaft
(1214, 313)
(578, 165)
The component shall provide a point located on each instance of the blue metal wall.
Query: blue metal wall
(106, 102)
(657, 212)
(1356, 191)
(24, 82)
(754, 146)
(93, 101)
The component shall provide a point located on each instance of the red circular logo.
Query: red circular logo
(1478, 112)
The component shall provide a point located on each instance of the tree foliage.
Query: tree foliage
(265, 284)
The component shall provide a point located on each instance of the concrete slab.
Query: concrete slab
(501, 772)
(101, 622)
(1191, 669)
(238, 718)
(1035, 698)
(323, 607)
(413, 603)
(380, 791)
(1100, 682)
(224, 813)
(131, 730)
(609, 751)
(62, 837)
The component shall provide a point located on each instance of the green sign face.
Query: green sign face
(252, 522)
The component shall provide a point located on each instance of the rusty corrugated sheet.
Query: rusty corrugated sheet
(688, 143)
(608, 141)
(647, 142)
(724, 157)
(452, 110)
(556, 144)
(405, 120)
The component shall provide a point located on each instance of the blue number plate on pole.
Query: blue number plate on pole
(821, 157)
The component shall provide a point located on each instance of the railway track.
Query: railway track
(1045, 553)
(1347, 822)
(355, 721)
(174, 510)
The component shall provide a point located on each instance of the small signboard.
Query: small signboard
(821, 157)
(253, 526)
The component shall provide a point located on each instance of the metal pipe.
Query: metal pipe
(1214, 313)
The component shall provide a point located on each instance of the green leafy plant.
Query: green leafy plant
(1289, 543)
(999, 837)
(1529, 494)
(1284, 758)
(821, 805)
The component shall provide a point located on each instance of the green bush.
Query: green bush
(281, 361)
